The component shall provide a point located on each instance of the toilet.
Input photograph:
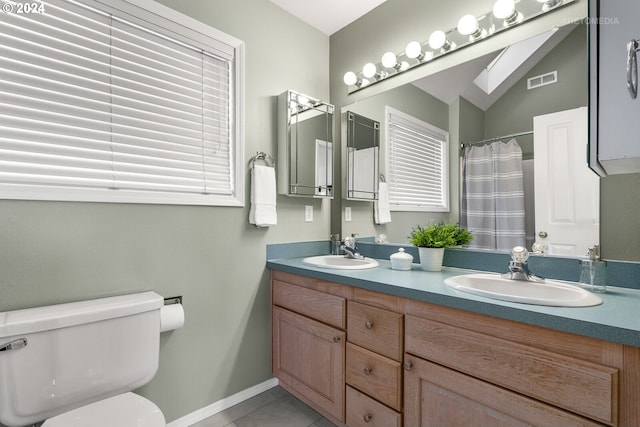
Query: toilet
(75, 364)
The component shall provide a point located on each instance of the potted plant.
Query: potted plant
(433, 239)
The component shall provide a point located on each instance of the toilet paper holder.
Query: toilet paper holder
(173, 300)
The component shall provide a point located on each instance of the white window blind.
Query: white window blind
(119, 104)
(417, 164)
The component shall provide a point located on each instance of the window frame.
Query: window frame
(433, 131)
(167, 22)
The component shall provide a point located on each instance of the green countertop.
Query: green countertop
(616, 320)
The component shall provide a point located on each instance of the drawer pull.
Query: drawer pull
(407, 366)
(336, 339)
(368, 324)
(367, 417)
(367, 370)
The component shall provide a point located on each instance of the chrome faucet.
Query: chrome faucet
(518, 269)
(350, 248)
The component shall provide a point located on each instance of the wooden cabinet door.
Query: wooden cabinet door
(308, 359)
(437, 396)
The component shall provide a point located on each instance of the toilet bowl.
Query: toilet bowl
(75, 364)
(124, 410)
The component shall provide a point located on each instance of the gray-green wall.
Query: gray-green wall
(55, 252)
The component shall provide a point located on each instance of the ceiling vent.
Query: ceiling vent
(542, 80)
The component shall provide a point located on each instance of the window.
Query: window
(119, 101)
(417, 164)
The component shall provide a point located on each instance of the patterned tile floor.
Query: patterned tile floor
(273, 408)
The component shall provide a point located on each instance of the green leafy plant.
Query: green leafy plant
(440, 235)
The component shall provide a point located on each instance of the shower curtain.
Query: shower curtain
(493, 196)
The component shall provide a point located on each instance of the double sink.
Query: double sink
(548, 292)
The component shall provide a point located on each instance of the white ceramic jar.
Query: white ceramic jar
(401, 260)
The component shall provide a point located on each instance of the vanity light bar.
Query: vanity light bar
(470, 29)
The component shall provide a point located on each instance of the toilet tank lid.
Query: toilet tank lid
(31, 320)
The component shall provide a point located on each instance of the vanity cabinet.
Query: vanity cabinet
(415, 364)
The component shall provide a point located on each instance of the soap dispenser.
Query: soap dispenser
(593, 270)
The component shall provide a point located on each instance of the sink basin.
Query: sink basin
(340, 262)
(549, 292)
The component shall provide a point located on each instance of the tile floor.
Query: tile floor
(273, 408)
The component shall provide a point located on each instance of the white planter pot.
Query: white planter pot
(431, 258)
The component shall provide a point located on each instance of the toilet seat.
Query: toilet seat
(123, 410)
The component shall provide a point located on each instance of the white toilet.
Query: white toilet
(75, 364)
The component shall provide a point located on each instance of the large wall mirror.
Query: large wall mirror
(305, 146)
(498, 95)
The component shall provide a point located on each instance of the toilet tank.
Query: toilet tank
(60, 357)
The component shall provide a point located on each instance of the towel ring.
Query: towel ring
(265, 157)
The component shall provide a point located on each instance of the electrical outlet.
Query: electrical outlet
(308, 213)
(347, 213)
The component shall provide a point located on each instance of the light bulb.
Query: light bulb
(369, 70)
(413, 50)
(506, 9)
(503, 9)
(389, 60)
(303, 100)
(467, 25)
(350, 78)
(437, 39)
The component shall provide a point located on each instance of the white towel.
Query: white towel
(381, 207)
(263, 196)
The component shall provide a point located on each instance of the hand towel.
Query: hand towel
(263, 196)
(381, 207)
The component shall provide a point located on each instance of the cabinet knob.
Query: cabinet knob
(336, 338)
(368, 324)
(367, 370)
(407, 366)
(367, 417)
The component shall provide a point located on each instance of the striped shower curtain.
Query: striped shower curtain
(493, 196)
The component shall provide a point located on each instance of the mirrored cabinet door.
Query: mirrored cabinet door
(362, 157)
(305, 146)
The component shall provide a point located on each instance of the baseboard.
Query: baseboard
(221, 405)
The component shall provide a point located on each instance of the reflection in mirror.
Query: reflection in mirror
(305, 146)
(452, 101)
(363, 153)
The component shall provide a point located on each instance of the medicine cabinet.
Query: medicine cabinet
(614, 146)
(305, 146)
(362, 157)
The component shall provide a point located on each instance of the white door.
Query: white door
(567, 191)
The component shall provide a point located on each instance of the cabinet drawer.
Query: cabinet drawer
(579, 386)
(437, 396)
(376, 375)
(375, 329)
(326, 308)
(363, 411)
